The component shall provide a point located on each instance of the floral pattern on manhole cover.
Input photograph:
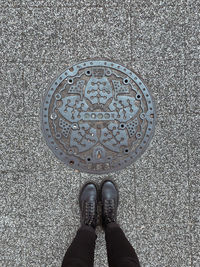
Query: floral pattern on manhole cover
(98, 116)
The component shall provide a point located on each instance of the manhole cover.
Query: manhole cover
(98, 116)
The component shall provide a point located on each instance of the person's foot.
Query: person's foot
(88, 205)
(109, 199)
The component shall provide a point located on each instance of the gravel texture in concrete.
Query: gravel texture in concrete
(160, 192)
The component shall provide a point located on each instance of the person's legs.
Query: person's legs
(81, 251)
(119, 250)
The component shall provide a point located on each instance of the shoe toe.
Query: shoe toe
(88, 192)
(109, 190)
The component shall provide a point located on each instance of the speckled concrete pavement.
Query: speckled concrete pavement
(160, 192)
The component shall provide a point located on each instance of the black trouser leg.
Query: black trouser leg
(119, 250)
(81, 251)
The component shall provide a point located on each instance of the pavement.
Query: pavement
(160, 192)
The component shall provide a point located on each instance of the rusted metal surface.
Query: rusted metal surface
(98, 116)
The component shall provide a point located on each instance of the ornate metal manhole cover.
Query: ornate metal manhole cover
(98, 116)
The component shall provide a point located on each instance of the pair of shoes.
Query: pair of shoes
(88, 201)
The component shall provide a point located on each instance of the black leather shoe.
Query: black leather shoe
(109, 199)
(88, 205)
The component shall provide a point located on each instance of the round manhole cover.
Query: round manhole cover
(98, 116)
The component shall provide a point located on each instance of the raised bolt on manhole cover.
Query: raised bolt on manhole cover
(98, 116)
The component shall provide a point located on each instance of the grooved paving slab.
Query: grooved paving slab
(98, 116)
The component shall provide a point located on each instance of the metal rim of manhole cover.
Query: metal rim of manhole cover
(98, 116)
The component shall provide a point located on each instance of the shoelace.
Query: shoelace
(89, 212)
(109, 208)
